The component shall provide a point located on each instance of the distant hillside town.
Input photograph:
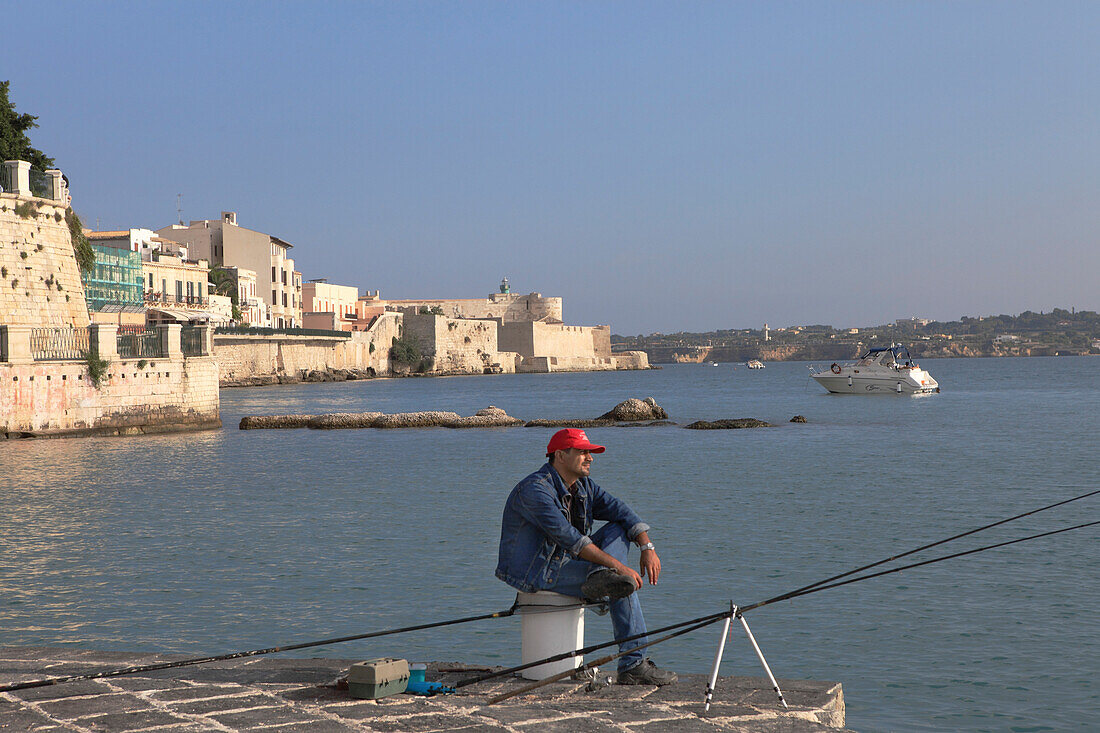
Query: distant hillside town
(1057, 333)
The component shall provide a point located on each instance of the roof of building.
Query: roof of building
(283, 242)
(107, 235)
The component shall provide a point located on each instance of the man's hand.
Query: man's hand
(650, 565)
(629, 572)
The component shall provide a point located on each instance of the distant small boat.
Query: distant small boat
(754, 364)
(714, 363)
(881, 371)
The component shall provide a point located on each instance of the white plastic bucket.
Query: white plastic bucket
(546, 632)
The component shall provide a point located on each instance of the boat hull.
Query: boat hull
(849, 383)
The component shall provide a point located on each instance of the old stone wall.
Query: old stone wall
(458, 345)
(244, 356)
(505, 306)
(39, 280)
(59, 398)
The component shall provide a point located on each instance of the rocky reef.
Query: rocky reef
(633, 412)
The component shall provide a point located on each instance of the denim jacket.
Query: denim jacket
(536, 537)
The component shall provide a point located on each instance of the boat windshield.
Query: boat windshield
(887, 356)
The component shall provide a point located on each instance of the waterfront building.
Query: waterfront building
(65, 375)
(328, 306)
(113, 287)
(253, 310)
(223, 242)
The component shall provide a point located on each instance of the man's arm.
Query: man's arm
(594, 554)
(650, 564)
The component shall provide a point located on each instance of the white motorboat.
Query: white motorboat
(754, 364)
(879, 371)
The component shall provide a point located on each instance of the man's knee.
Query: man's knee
(612, 539)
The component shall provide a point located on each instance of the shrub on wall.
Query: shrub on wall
(97, 367)
(405, 350)
(82, 248)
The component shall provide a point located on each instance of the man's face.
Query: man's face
(575, 461)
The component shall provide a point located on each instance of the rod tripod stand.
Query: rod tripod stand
(734, 613)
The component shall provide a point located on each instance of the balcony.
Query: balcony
(186, 301)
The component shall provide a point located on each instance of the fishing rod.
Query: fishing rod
(709, 618)
(595, 663)
(738, 612)
(250, 653)
(930, 545)
(787, 596)
(734, 612)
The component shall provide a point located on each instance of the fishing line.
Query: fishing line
(250, 653)
(598, 662)
(700, 621)
(704, 620)
(787, 596)
(744, 609)
(941, 542)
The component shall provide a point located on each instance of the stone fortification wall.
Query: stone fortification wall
(459, 346)
(244, 356)
(505, 306)
(550, 347)
(40, 284)
(58, 398)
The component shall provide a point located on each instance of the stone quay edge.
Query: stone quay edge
(290, 695)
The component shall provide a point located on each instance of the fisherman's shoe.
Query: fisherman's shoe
(607, 584)
(647, 673)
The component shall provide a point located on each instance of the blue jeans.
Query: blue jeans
(626, 613)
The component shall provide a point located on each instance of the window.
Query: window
(274, 297)
(150, 281)
(164, 286)
(179, 290)
(284, 300)
(273, 278)
(190, 290)
(283, 272)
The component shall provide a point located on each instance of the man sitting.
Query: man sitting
(546, 543)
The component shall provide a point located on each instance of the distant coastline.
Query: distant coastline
(1058, 333)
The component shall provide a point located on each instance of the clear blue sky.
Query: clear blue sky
(661, 166)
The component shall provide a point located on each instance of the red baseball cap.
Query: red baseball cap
(571, 438)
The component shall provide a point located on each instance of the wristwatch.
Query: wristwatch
(646, 546)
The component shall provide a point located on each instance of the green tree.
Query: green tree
(14, 143)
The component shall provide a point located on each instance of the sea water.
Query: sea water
(227, 540)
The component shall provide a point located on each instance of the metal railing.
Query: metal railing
(50, 344)
(190, 301)
(191, 340)
(241, 331)
(136, 342)
(41, 185)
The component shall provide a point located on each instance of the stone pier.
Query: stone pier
(291, 695)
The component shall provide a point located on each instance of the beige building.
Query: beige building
(223, 242)
(178, 290)
(254, 310)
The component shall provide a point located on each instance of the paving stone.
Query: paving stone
(118, 722)
(192, 692)
(54, 692)
(315, 726)
(143, 684)
(262, 717)
(24, 720)
(680, 725)
(289, 695)
(578, 724)
(234, 701)
(425, 722)
(80, 707)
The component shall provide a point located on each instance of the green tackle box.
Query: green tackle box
(377, 678)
